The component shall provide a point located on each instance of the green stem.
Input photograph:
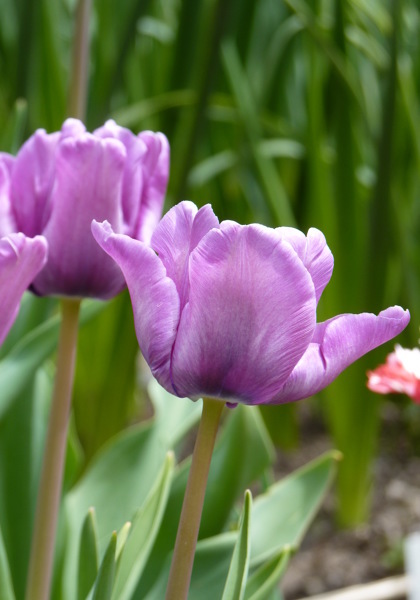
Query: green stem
(189, 523)
(80, 66)
(43, 541)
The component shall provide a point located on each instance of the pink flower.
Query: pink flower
(59, 182)
(21, 258)
(399, 375)
(229, 311)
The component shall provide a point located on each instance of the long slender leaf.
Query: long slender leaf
(88, 555)
(266, 578)
(105, 580)
(238, 570)
(142, 534)
(6, 586)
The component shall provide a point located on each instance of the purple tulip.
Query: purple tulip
(229, 311)
(21, 258)
(59, 182)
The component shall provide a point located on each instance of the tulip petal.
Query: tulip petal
(32, 181)
(88, 185)
(249, 319)
(313, 252)
(7, 220)
(155, 180)
(337, 343)
(72, 128)
(133, 174)
(153, 295)
(20, 260)
(145, 178)
(176, 236)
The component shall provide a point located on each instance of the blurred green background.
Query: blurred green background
(283, 112)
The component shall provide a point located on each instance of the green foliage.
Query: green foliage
(88, 555)
(103, 585)
(238, 569)
(6, 587)
(278, 519)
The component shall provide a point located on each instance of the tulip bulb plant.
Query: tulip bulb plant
(53, 188)
(222, 312)
(227, 313)
(59, 182)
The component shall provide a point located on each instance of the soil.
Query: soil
(332, 559)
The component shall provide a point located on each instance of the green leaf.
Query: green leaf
(238, 570)
(142, 534)
(105, 579)
(243, 452)
(6, 586)
(88, 555)
(174, 416)
(211, 566)
(266, 578)
(118, 479)
(281, 516)
(279, 519)
(122, 538)
(22, 435)
(20, 364)
(105, 382)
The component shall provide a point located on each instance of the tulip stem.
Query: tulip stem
(49, 494)
(80, 65)
(189, 523)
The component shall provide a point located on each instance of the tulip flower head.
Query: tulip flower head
(228, 311)
(399, 375)
(21, 259)
(59, 182)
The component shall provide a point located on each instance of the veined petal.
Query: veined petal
(145, 177)
(155, 175)
(153, 295)
(7, 220)
(249, 318)
(313, 252)
(32, 182)
(133, 177)
(20, 260)
(176, 236)
(336, 344)
(88, 185)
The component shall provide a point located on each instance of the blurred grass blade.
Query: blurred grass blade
(273, 186)
(238, 570)
(130, 116)
(341, 66)
(12, 136)
(206, 57)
